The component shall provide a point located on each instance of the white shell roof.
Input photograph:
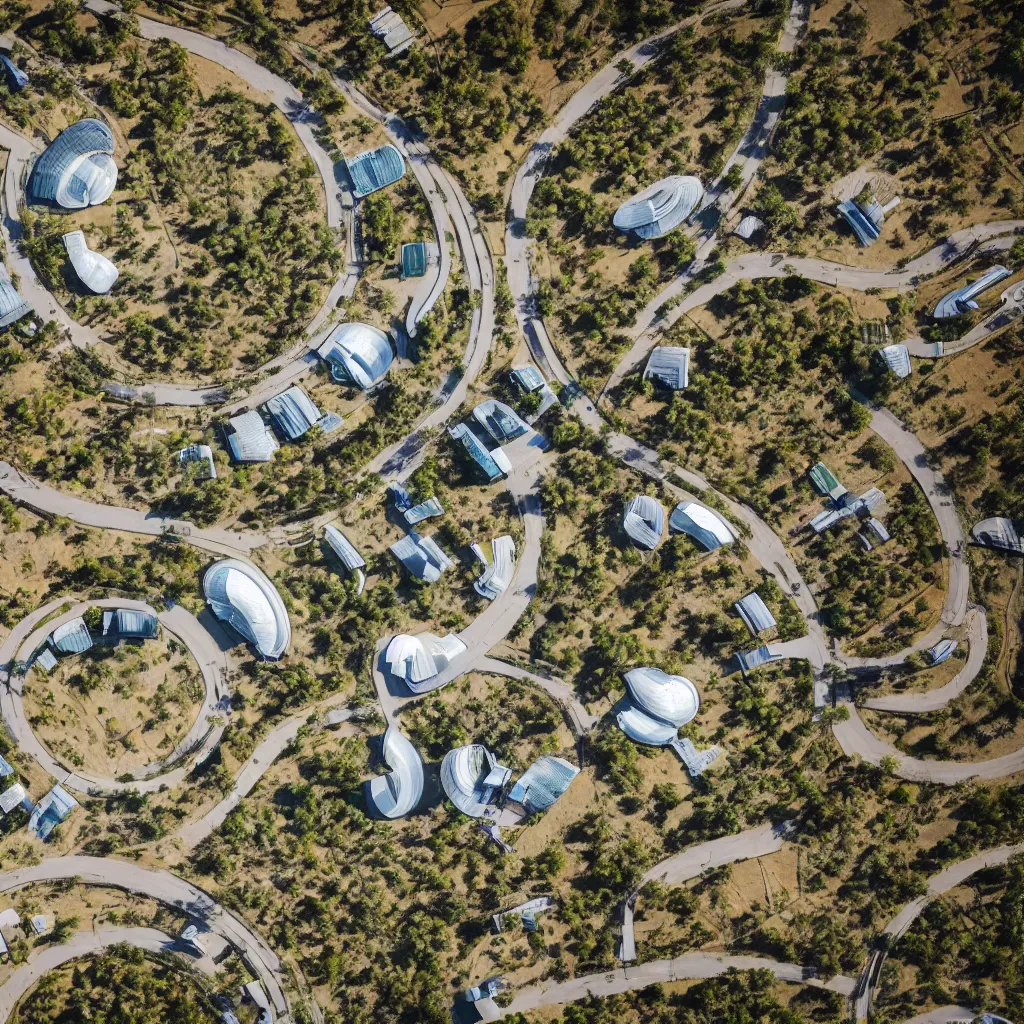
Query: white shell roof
(953, 303)
(94, 270)
(417, 660)
(644, 729)
(754, 612)
(72, 637)
(242, 596)
(670, 699)
(501, 422)
(748, 227)
(497, 576)
(396, 794)
(543, 783)
(361, 352)
(657, 210)
(702, 523)
(644, 521)
(464, 771)
(293, 411)
(343, 548)
(1000, 532)
(897, 358)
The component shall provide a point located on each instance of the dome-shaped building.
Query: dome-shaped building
(394, 795)
(644, 521)
(661, 208)
(472, 778)
(77, 170)
(656, 706)
(243, 597)
(357, 354)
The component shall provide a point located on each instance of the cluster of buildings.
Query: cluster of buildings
(44, 816)
(291, 413)
(471, 778)
(644, 523)
(843, 504)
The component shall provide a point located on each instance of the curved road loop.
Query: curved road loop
(23, 642)
(170, 890)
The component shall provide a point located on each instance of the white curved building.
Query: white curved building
(543, 783)
(243, 597)
(897, 358)
(494, 580)
(657, 705)
(962, 300)
(701, 523)
(472, 778)
(661, 208)
(1001, 533)
(77, 170)
(501, 422)
(94, 270)
(644, 521)
(357, 354)
(418, 660)
(394, 795)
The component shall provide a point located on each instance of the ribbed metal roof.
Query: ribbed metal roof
(642, 728)
(543, 783)
(357, 354)
(135, 623)
(701, 523)
(960, 300)
(293, 412)
(528, 378)
(897, 358)
(343, 548)
(863, 224)
(670, 365)
(94, 270)
(1001, 533)
(242, 596)
(754, 612)
(659, 209)
(421, 556)
(12, 306)
(375, 169)
(485, 459)
(644, 521)
(943, 650)
(16, 78)
(748, 227)
(671, 699)
(424, 510)
(77, 169)
(396, 794)
(249, 438)
(72, 637)
(416, 660)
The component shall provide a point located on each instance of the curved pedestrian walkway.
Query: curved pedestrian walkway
(694, 861)
(189, 836)
(942, 882)
(172, 891)
(26, 638)
(48, 501)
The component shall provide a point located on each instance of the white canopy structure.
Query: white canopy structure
(249, 438)
(748, 227)
(644, 521)
(293, 412)
(656, 706)
(961, 300)
(897, 358)
(396, 794)
(501, 422)
(94, 270)
(701, 523)
(347, 554)
(78, 169)
(1000, 533)
(472, 779)
(659, 209)
(242, 596)
(670, 365)
(494, 580)
(421, 556)
(418, 660)
(389, 26)
(357, 354)
(12, 306)
(754, 612)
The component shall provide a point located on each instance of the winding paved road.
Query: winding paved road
(45, 499)
(25, 639)
(170, 890)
